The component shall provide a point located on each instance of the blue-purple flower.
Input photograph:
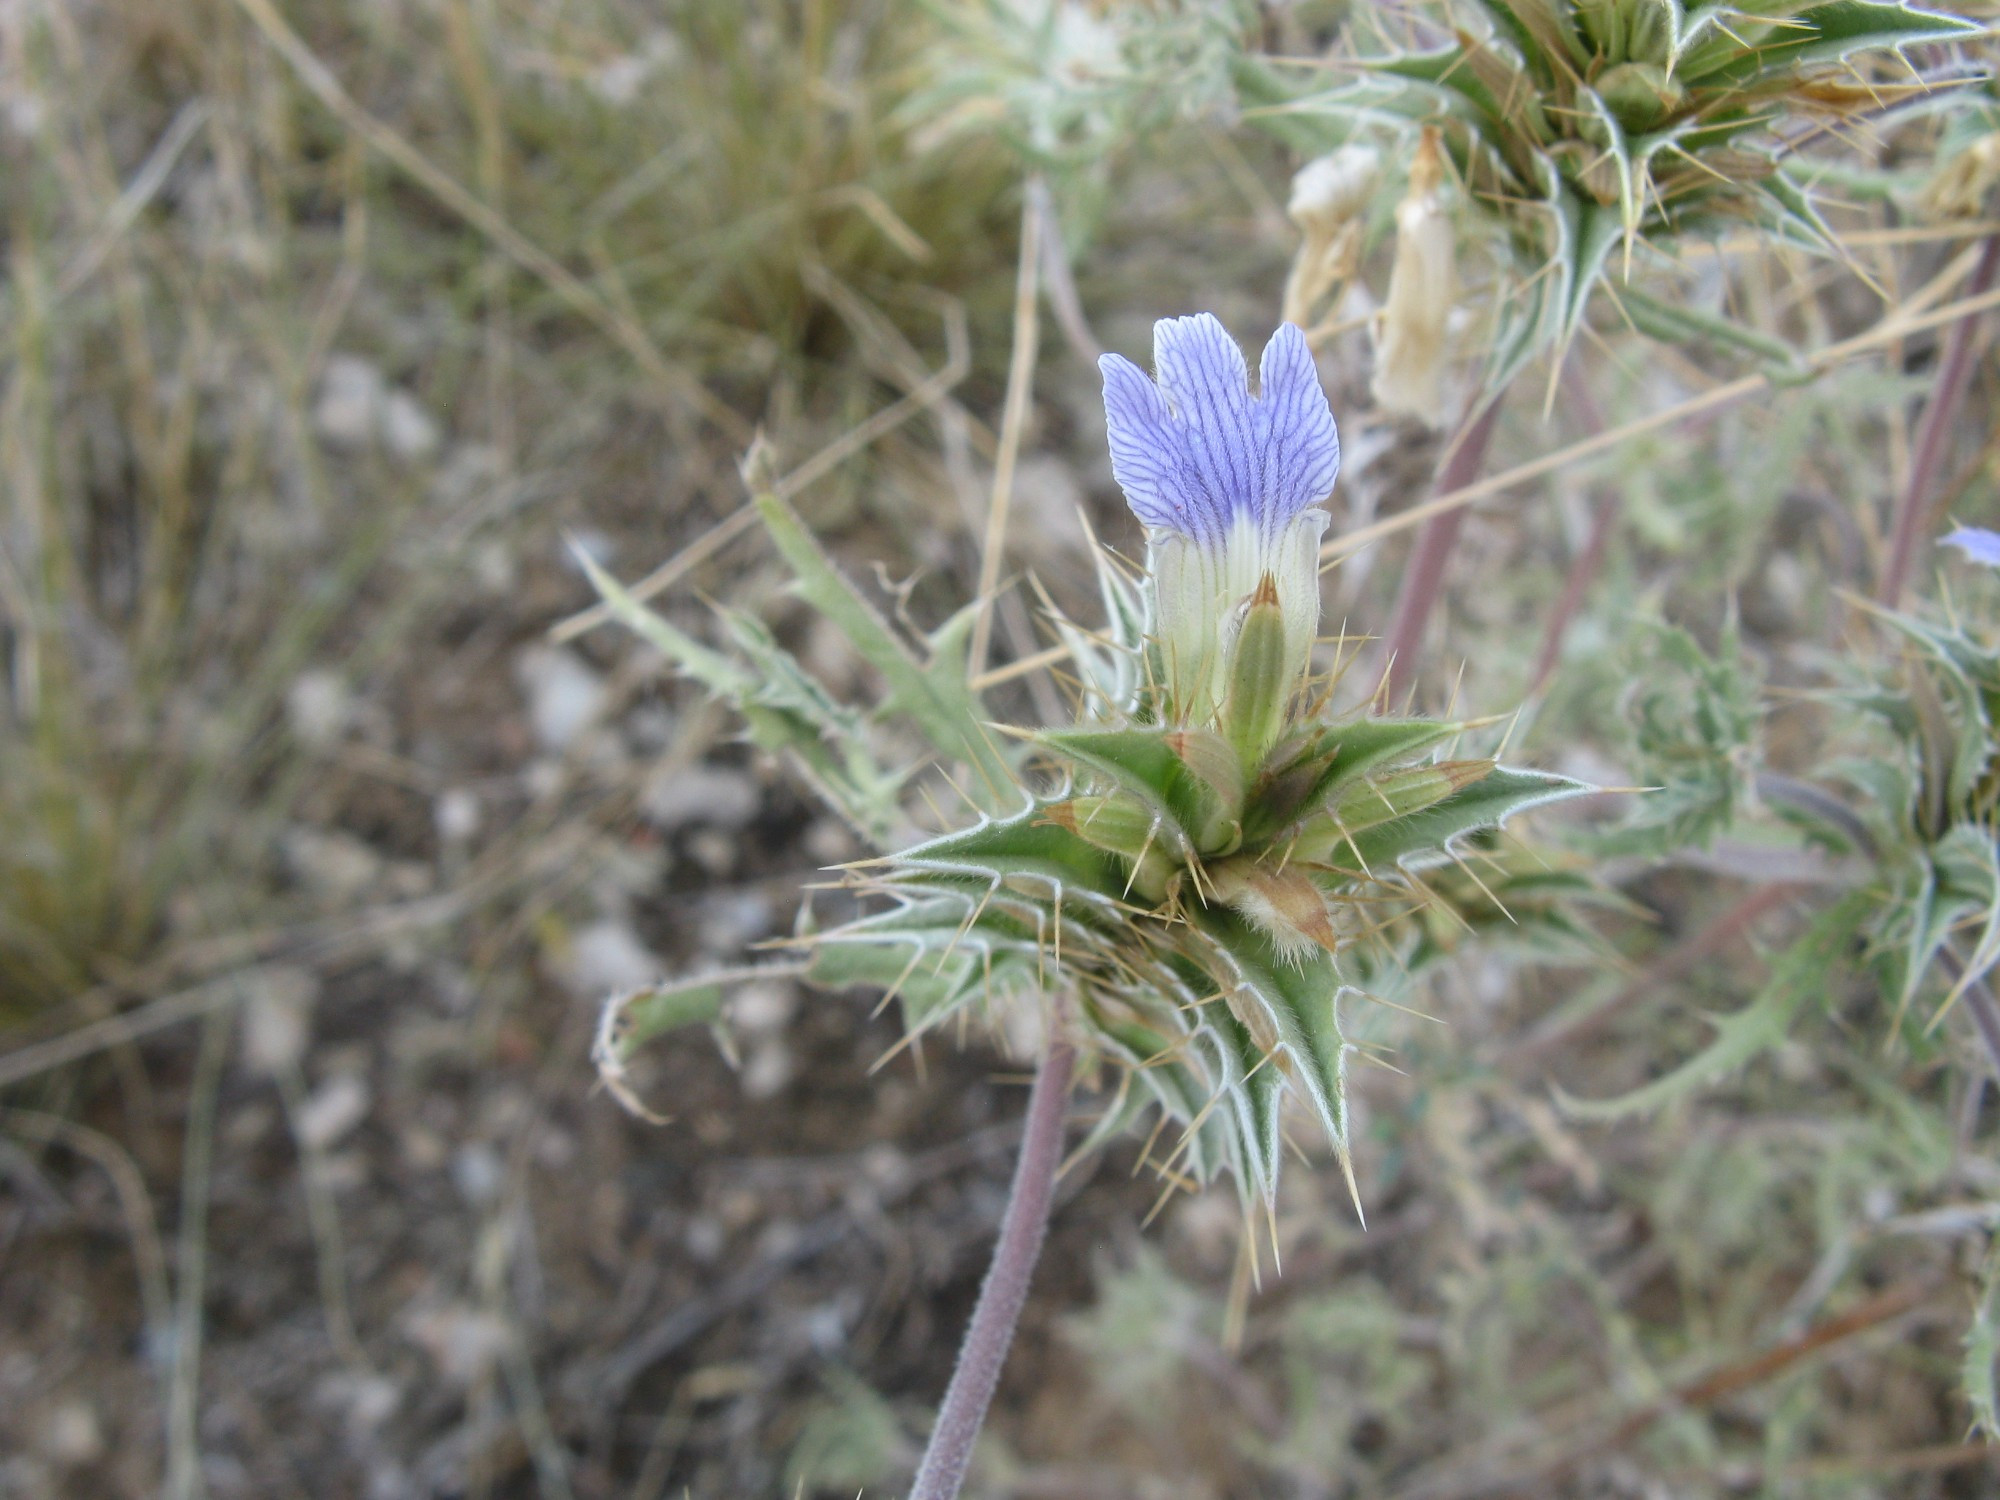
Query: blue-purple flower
(1977, 543)
(1228, 486)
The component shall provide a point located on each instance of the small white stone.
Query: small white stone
(463, 1342)
(319, 707)
(564, 695)
(607, 958)
(763, 1006)
(277, 1019)
(478, 1173)
(715, 795)
(714, 850)
(333, 1110)
(336, 865)
(71, 1435)
(830, 842)
(351, 393)
(767, 1069)
(408, 431)
(457, 815)
(732, 919)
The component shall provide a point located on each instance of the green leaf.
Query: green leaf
(790, 710)
(1341, 752)
(1545, 33)
(936, 697)
(1299, 998)
(1982, 1352)
(1026, 852)
(1486, 803)
(935, 956)
(785, 710)
(707, 666)
(1144, 763)
(1613, 129)
(1800, 973)
(629, 1021)
(1822, 33)
(1678, 324)
(1587, 230)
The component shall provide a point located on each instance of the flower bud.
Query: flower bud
(1218, 774)
(1382, 799)
(1261, 677)
(1119, 825)
(1331, 191)
(1284, 904)
(1410, 336)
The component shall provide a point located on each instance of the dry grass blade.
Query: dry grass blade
(1013, 421)
(1893, 327)
(317, 77)
(958, 361)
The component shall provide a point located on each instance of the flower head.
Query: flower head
(1977, 543)
(1228, 485)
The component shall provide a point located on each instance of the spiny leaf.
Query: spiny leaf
(1486, 803)
(1024, 847)
(1144, 763)
(1676, 323)
(1982, 1351)
(630, 1020)
(707, 666)
(1822, 33)
(1341, 752)
(1300, 999)
(784, 709)
(936, 697)
(1800, 973)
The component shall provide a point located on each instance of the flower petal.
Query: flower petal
(1202, 374)
(1296, 434)
(1146, 455)
(1977, 543)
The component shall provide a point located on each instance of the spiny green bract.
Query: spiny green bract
(1578, 125)
(1193, 901)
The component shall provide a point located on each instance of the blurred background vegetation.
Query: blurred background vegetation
(325, 324)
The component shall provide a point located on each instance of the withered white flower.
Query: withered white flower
(1410, 337)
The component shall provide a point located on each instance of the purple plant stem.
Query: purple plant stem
(1934, 433)
(1582, 573)
(1986, 1018)
(1005, 1291)
(1423, 579)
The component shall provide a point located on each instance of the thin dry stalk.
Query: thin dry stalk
(1013, 422)
(323, 85)
(1891, 328)
(184, 1468)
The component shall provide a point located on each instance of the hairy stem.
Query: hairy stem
(1954, 375)
(1985, 1018)
(1423, 579)
(1005, 1290)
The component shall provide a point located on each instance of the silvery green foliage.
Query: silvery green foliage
(1577, 127)
(1070, 85)
(1199, 872)
(1905, 812)
(1694, 720)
